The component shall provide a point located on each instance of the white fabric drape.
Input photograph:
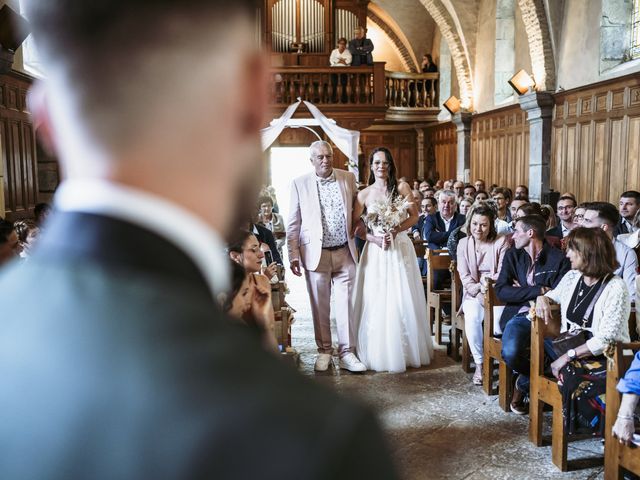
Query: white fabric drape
(346, 140)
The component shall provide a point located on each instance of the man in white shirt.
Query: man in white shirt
(605, 216)
(566, 206)
(340, 57)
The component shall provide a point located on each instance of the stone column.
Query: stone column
(539, 108)
(462, 121)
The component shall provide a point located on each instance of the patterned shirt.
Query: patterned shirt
(334, 223)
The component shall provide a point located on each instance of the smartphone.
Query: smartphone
(268, 256)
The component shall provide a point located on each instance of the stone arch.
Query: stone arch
(447, 25)
(408, 59)
(540, 47)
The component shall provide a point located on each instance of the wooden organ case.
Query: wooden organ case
(304, 32)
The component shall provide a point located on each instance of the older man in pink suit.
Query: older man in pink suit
(319, 241)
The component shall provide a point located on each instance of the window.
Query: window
(30, 58)
(635, 30)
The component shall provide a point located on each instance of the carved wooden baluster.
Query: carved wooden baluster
(425, 93)
(330, 93)
(321, 89)
(358, 89)
(349, 89)
(396, 97)
(301, 87)
(292, 90)
(367, 88)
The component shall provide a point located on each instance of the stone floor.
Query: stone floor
(439, 425)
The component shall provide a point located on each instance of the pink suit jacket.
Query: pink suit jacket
(304, 228)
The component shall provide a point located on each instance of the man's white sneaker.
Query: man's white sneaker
(322, 362)
(350, 362)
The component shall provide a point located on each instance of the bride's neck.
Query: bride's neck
(381, 183)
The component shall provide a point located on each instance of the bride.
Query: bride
(389, 303)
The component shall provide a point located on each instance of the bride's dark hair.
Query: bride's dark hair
(392, 182)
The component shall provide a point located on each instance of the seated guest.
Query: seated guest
(629, 387)
(448, 185)
(470, 191)
(465, 205)
(424, 186)
(458, 188)
(417, 197)
(566, 207)
(27, 232)
(596, 301)
(480, 185)
(550, 216)
(428, 206)
(9, 242)
(264, 235)
(249, 300)
(534, 208)
(438, 227)
(522, 190)
(439, 185)
(479, 256)
(578, 213)
(503, 199)
(40, 213)
(361, 48)
(530, 268)
(632, 240)
(245, 250)
(517, 202)
(272, 221)
(429, 193)
(629, 206)
(605, 216)
(481, 196)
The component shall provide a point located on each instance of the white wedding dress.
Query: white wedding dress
(390, 309)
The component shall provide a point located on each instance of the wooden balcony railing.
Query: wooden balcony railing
(399, 96)
(411, 96)
(347, 86)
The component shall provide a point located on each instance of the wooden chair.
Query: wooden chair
(283, 315)
(618, 457)
(492, 347)
(458, 337)
(436, 299)
(544, 390)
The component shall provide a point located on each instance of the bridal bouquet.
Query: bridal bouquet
(386, 214)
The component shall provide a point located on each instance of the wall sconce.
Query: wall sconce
(521, 82)
(452, 104)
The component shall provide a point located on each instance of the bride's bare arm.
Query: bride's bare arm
(405, 190)
(359, 228)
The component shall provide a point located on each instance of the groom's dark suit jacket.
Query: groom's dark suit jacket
(116, 364)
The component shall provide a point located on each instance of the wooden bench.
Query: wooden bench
(616, 456)
(492, 347)
(544, 390)
(436, 299)
(458, 337)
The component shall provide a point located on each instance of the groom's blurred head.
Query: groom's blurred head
(321, 158)
(146, 94)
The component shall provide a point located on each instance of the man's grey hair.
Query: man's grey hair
(315, 146)
(446, 193)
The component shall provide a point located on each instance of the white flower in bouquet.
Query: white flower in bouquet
(387, 213)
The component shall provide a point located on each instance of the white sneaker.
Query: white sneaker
(323, 361)
(350, 362)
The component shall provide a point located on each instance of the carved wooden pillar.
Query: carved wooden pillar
(420, 161)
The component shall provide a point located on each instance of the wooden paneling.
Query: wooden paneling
(17, 142)
(441, 144)
(500, 147)
(401, 144)
(596, 140)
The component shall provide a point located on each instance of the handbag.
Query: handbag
(574, 337)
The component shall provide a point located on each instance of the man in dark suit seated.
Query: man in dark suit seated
(125, 368)
(629, 206)
(437, 228)
(361, 48)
